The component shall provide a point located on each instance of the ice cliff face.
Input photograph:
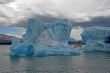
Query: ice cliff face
(96, 38)
(44, 40)
(34, 29)
(58, 33)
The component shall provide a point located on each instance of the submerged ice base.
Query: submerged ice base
(96, 38)
(44, 40)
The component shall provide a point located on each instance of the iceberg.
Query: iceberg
(96, 38)
(44, 40)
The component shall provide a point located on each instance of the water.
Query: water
(97, 62)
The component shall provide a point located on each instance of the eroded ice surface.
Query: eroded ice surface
(97, 38)
(34, 29)
(42, 40)
(21, 49)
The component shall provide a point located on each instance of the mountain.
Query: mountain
(7, 39)
(7, 34)
(13, 31)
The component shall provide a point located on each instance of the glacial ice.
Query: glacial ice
(21, 49)
(44, 40)
(34, 29)
(96, 38)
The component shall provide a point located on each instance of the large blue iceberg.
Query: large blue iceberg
(44, 40)
(96, 38)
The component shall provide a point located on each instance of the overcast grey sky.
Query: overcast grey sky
(13, 11)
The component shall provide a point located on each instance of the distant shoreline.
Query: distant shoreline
(5, 43)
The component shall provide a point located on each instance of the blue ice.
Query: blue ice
(44, 40)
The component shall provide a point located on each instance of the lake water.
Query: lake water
(97, 62)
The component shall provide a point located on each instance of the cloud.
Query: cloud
(5, 1)
(80, 11)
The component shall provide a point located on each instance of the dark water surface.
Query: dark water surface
(97, 62)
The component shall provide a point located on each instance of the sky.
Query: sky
(83, 12)
(76, 36)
